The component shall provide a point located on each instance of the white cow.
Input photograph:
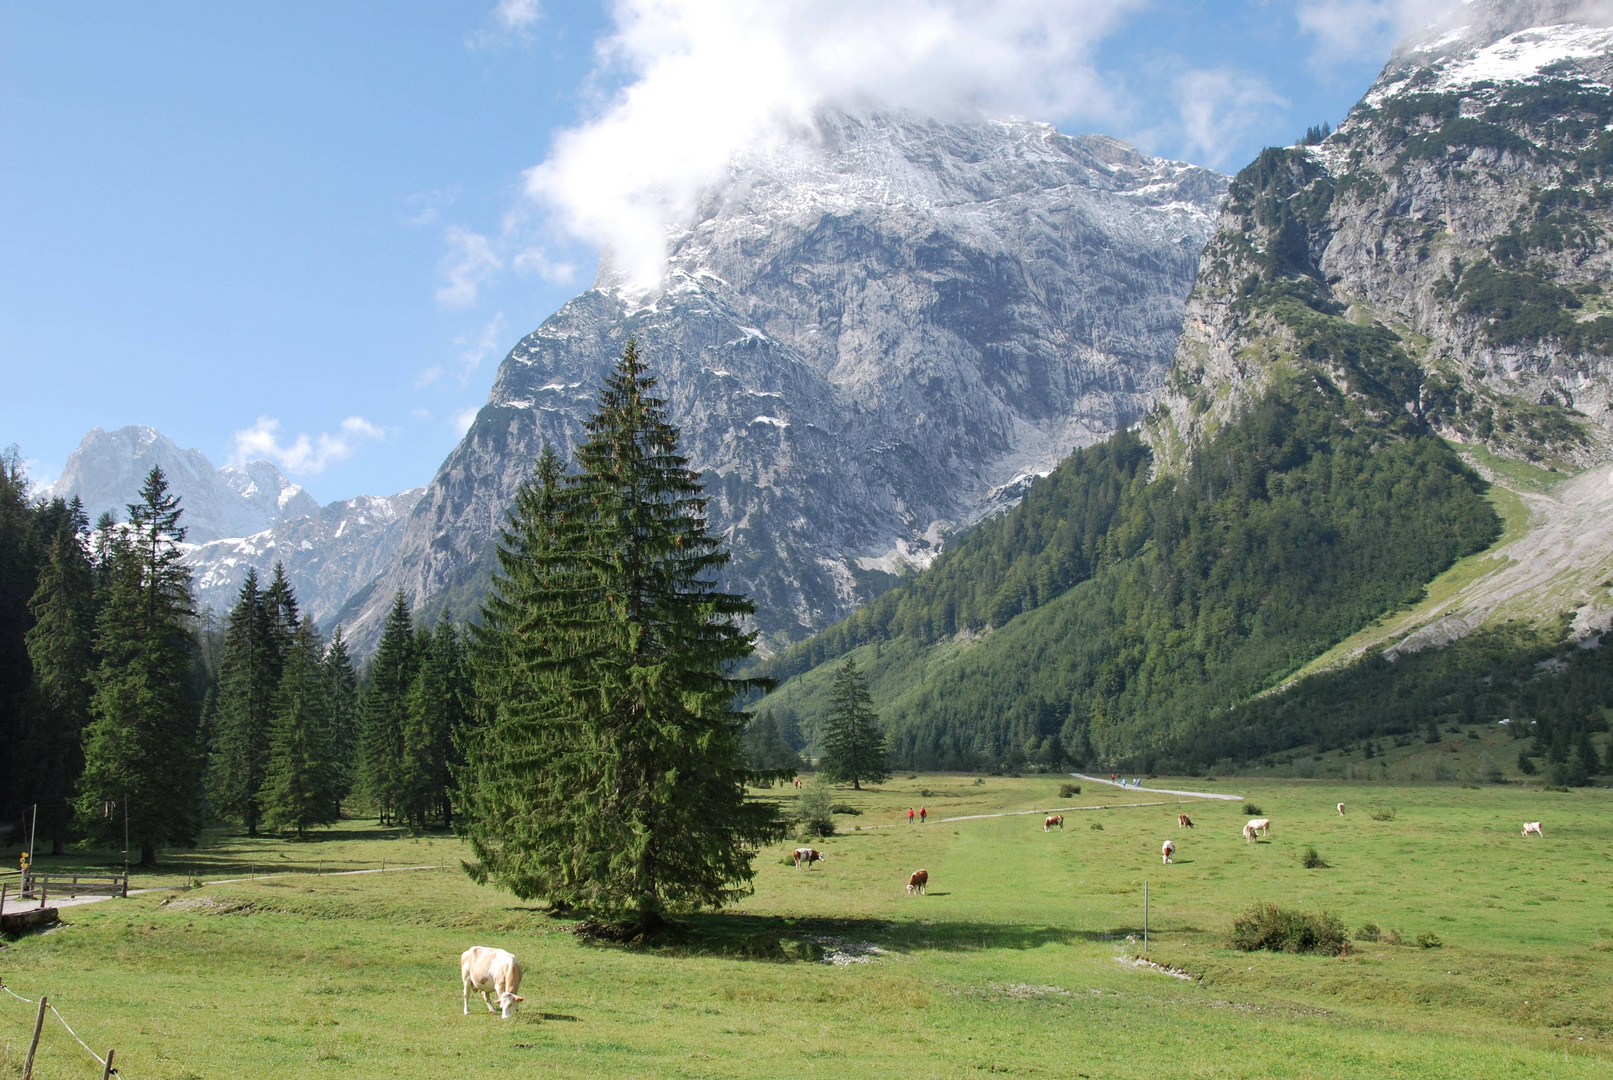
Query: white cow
(1341, 809)
(491, 971)
(1533, 827)
(1259, 826)
(1168, 849)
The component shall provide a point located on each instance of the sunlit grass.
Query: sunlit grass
(1009, 965)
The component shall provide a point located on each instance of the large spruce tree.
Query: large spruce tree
(611, 774)
(341, 688)
(384, 711)
(57, 707)
(142, 761)
(249, 680)
(437, 708)
(853, 741)
(299, 790)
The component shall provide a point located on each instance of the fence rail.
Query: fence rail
(108, 1069)
(39, 886)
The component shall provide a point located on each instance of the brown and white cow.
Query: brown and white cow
(918, 882)
(1256, 827)
(1533, 827)
(491, 972)
(1168, 849)
(1183, 821)
(1341, 809)
(1056, 819)
(805, 856)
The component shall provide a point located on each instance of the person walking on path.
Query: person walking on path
(910, 815)
(922, 814)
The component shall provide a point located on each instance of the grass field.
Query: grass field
(1016, 962)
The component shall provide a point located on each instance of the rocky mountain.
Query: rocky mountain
(1447, 251)
(107, 469)
(242, 516)
(1461, 213)
(329, 555)
(1375, 489)
(867, 344)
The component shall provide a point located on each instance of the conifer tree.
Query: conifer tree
(619, 719)
(767, 747)
(341, 692)
(853, 742)
(383, 712)
(141, 757)
(60, 652)
(437, 710)
(18, 563)
(299, 790)
(249, 680)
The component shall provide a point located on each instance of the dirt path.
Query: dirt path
(1159, 790)
(14, 905)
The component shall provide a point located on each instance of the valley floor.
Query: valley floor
(1020, 960)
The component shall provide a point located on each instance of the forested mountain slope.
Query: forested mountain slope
(1431, 271)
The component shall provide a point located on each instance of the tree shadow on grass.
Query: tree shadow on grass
(774, 938)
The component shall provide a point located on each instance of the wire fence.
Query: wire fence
(104, 1062)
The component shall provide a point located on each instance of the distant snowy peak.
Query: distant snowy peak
(959, 176)
(108, 468)
(1496, 41)
(329, 555)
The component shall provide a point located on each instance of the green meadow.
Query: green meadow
(1021, 960)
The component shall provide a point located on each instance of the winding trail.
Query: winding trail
(1159, 790)
(14, 905)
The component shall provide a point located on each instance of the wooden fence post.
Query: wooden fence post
(39, 1023)
(106, 1073)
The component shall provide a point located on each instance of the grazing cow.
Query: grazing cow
(1183, 821)
(1341, 809)
(1533, 827)
(1056, 819)
(805, 856)
(1261, 825)
(918, 882)
(491, 972)
(1249, 833)
(1168, 849)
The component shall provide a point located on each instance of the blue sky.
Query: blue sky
(309, 231)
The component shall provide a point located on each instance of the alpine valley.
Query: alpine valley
(1373, 497)
(1090, 457)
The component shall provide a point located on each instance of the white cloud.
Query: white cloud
(1218, 109)
(706, 78)
(509, 19)
(303, 454)
(470, 263)
(536, 259)
(425, 207)
(1348, 30)
(463, 419)
(473, 349)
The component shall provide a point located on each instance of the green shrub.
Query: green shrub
(1278, 929)
(844, 808)
(1096, 826)
(1369, 932)
(1429, 940)
(813, 813)
(1067, 790)
(1251, 808)
(1313, 860)
(1383, 815)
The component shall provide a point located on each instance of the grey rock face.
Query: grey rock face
(107, 469)
(1462, 207)
(329, 555)
(865, 344)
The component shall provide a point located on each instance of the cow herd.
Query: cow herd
(496, 974)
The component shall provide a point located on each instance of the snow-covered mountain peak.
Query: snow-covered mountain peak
(108, 467)
(1498, 41)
